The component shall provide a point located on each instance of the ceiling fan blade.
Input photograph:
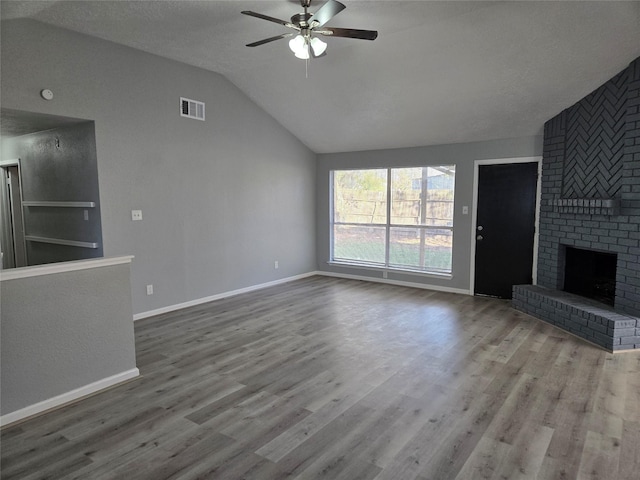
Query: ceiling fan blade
(348, 33)
(270, 19)
(271, 39)
(326, 13)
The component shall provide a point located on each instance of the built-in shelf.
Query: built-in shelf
(59, 241)
(60, 204)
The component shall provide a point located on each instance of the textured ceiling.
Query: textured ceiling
(16, 123)
(439, 72)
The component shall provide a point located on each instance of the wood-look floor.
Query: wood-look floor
(341, 379)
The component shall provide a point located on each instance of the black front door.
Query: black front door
(505, 227)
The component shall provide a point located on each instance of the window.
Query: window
(398, 218)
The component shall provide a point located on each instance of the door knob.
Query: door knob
(479, 237)
(480, 228)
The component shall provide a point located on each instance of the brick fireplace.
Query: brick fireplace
(591, 202)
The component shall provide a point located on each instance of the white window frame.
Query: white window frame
(388, 226)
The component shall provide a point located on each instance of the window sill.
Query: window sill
(444, 276)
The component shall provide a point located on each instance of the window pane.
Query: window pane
(421, 248)
(360, 196)
(422, 196)
(361, 244)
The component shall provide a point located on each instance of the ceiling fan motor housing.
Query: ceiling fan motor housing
(301, 19)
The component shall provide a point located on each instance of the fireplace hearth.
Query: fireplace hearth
(590, 274)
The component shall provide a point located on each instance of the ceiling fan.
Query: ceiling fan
(306, 43)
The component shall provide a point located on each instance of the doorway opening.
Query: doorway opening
(12, 244)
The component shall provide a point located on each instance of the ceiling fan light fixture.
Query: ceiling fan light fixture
(318, 46)
(299, 47)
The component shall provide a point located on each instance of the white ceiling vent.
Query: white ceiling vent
(191, 108)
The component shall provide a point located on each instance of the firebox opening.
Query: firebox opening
(591, 274)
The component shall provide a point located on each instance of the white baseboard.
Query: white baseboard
(396, 282)
(219, 296)
(68, 397)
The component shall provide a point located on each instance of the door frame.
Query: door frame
(474, 213)
(16, 162)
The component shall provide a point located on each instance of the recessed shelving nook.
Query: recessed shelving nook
(56, 214)
(60, 241)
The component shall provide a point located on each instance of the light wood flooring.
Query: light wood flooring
(340, 379)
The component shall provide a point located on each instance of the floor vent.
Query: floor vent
(191, 109)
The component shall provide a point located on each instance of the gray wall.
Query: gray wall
(461, 155)
(221, 199)
(63, 331)
(59, 165)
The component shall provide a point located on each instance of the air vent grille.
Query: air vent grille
(191, 108)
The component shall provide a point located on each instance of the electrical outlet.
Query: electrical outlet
(385, 274)
(136, 215)
(149, 289)
(275, 265)
(86, 215)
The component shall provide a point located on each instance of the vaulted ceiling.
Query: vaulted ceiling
(439, 72)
